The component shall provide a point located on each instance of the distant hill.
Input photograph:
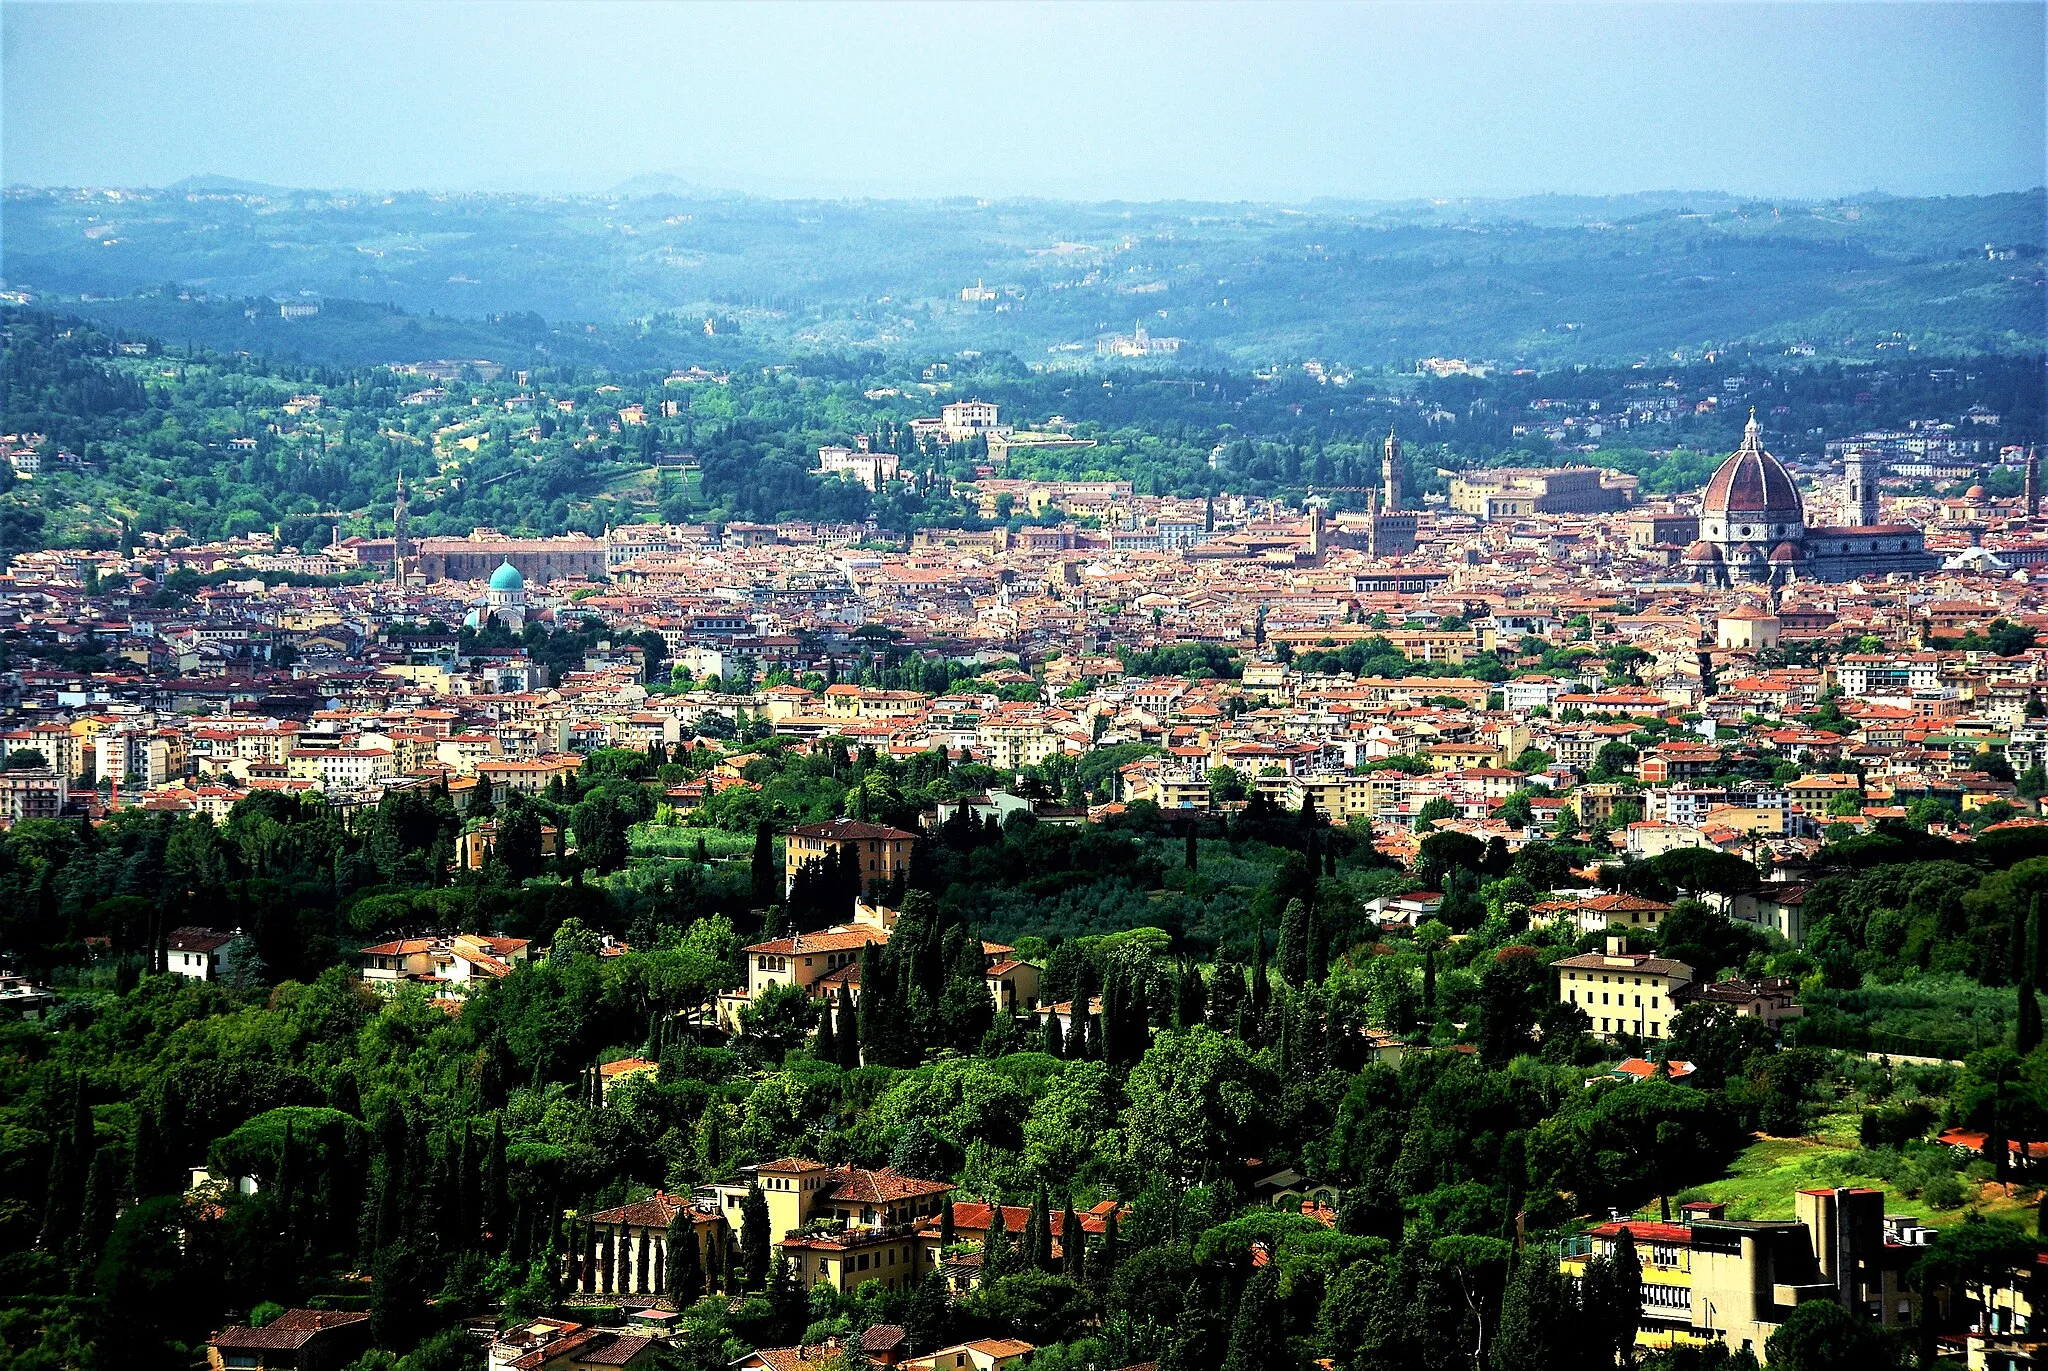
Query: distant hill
(208, 183)
(1541, 281)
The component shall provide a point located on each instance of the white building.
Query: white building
(872, 469)
(195, 952)
(963, 419)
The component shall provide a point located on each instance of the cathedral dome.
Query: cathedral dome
(1752, 495)
(507, 577)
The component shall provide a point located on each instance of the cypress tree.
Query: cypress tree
(1532, 1336)
(96, 1212)
(515, 1236)
(1076, 1048)
(847, 1037)
(1107, 1258)
(1191, 1002)
(711, 1145)
(1041, 1231)
(1628, 1296)
(1293, 959)
(1318, 950)
(1262, 991)
(1071, 1243)
(825, 1048)
(2040, 945)
(947, 1237)
(877, 991)
(2016, 944)
(685, 1274)
(765, 887)
(463, 1204)
(70, 1157)
(497, 1184)
(1193, 856)
(714, 1264)
(143, 1162)
(1135, 1032)
(287, 1178)
(2026, 1033)
(643, 1269)
(1258, 1336)
(1114, 1016)
(995, 1248)
(754, 1238)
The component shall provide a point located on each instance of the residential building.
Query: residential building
(842, 1226)
(882, 852)
(985, 1354)
(195, 952)
(1622, 991)
(33, 793)
(625, 1251)
(296, 1340)
(1717, 1280)
(1772, 999)
(443, 963)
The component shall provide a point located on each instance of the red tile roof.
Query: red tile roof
(289, 1331)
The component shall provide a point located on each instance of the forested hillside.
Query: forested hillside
(1543, 282)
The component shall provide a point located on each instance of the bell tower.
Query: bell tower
(1860, 502)
(1393, 473)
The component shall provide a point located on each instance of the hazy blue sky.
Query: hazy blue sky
(1126, 101)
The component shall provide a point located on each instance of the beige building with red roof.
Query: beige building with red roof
(1624, 992)
(625, 1251)
(444, 962)
(296, 1340)
(882, 852)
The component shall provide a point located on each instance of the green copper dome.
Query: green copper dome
(507, 577)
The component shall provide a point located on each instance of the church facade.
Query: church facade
(1753, 529)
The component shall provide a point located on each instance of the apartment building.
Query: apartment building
(32, 793)
(1712, 1279)
(882, 852)
(1623, 991)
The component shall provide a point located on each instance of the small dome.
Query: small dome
(1745, 552)
(507, 577)
(1785, 552)
(1974, 493)
(1702, 551)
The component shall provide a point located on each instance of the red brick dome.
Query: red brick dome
(1753, 486)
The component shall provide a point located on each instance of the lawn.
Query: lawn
(1771, 1171)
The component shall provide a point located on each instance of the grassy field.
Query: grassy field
(1771, 1171)
(655, 840)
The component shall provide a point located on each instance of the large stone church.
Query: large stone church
(1753, 526)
